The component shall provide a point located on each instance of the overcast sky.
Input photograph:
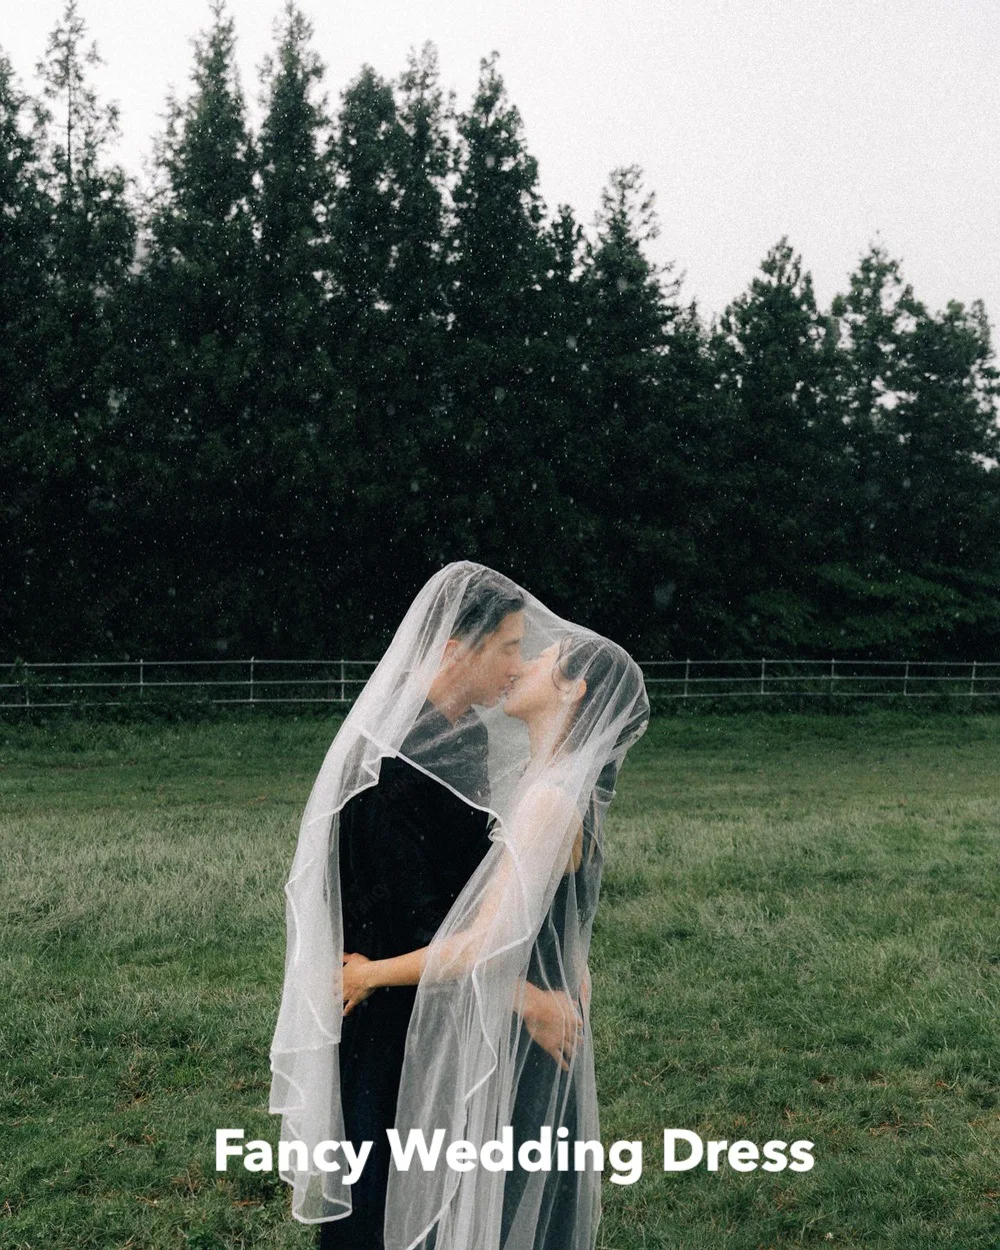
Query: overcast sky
(826, 120)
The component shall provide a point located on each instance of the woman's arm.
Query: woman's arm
(550, 1016)
(363, 975)
(553, 1019)
(458, 952)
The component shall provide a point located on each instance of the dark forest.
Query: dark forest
(250, 407)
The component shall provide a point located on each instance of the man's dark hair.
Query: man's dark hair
(488, 598)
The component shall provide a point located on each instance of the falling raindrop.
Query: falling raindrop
(663, 595)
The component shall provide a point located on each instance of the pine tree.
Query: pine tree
(376, 451)
(25, 235)
(500, 312)
(626, 297)
(642, 354)
(91, 241)
(946, 425)
(363, 222)
(306, 431)
(93, 233)
(947, 494)
(202, 242)
(195, 377)
(498, 255)
(421, 154)
(777, 454)
(917, 391)
(412, 410)
(870, 323)
(295, 189)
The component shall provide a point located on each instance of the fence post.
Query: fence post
(251, 678)
(906, 678)
(763, 663)
(343, 684)
(687, 674)
(972, 683)
(833, 674)
(142, 678)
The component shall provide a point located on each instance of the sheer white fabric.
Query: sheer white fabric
(522, 923)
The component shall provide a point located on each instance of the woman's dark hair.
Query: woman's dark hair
(603, 666)
(488, 598)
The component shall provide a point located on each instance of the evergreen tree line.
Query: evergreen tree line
(252, 408)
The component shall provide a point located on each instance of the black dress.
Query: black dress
(408, 845)
(556, 1219)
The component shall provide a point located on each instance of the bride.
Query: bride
(499, 1032)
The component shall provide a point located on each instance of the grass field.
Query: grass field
(799, 937)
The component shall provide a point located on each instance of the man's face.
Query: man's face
(496, 664)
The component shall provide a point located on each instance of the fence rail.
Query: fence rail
(56, 684)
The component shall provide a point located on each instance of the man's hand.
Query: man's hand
(358, 980)
(554, 1022)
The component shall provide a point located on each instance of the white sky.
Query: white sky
(826, 120)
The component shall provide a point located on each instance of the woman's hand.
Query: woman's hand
(554, 1022)
(359, 980)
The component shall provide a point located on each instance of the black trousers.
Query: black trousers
(373, 1041)
(371, 1057)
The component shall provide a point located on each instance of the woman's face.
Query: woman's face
(536, 691)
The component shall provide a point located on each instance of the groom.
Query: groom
(408, 845)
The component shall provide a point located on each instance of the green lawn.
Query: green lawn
(799, 937)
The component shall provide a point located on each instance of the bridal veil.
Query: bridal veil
(525, 915)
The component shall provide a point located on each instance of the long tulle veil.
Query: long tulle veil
(525, 915)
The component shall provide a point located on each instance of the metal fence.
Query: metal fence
(870, 679)
(101, 683)
(110, 683)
